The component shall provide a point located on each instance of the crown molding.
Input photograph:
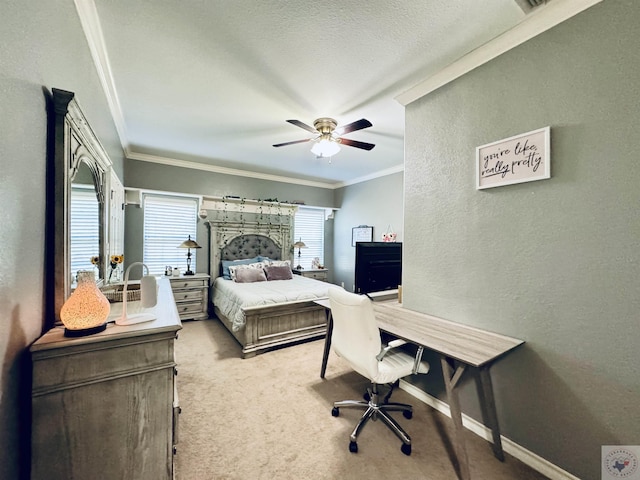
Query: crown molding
(373, 176)
(538, 21)
(93, 32)
(143, 157)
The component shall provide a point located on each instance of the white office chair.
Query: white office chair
(356, 338)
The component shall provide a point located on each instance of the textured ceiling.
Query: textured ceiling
(212, 82)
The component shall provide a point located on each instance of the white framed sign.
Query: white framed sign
(361, 233)
(521, 158)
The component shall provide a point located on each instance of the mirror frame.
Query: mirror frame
(74, 142)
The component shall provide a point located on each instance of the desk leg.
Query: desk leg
(450, 380)
(489, 410)
(327, 342)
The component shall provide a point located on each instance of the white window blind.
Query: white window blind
(168, 221)
(84, 228)
(309, 227)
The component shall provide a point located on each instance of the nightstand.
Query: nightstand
(191, 293)
(321, 274)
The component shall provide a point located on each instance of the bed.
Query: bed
(267, 314)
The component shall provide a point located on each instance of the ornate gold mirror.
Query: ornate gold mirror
(80, 169)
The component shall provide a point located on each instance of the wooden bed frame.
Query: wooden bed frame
(269, 326)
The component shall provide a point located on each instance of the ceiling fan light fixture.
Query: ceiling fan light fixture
(325, 148)
(327, 142)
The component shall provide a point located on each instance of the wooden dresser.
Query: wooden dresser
(191, 293)
(105, 406)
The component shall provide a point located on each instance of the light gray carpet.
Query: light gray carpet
(269, 417)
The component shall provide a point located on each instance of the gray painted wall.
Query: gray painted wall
(41, 46)
(566, 279)
(176, 179)
(377, 203)
(554, 262)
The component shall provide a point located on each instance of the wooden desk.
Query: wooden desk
(459, 346)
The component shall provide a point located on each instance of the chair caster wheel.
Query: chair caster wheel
(366, 397)
(353, 447)
(408, 414)
(335, 411)
(406, 449)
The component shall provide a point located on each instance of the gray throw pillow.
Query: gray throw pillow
(275, 272)
(249, 275)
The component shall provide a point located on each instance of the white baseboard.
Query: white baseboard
(525, 456)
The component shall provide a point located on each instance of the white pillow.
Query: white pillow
(234, 268)
(280, 263)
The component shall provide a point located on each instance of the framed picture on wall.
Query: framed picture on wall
(361, 233)
(521, 158)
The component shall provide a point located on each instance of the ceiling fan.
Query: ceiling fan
(329, 136)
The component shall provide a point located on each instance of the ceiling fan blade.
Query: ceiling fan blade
(355, 143)
(302, 125)
(352, 127)
(291, 143)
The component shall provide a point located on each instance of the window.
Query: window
(84, 228)
(168, 221)
(309, 227)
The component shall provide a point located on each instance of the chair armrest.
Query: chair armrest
(418, 359)
(391, 345)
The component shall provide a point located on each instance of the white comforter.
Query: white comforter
(232, 298)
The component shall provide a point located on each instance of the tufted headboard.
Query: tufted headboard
(237, 240)
(249, 246)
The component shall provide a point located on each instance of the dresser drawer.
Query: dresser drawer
(317, 275)
(189, 308)
(188, 295)
(188, 283)
(78, 365)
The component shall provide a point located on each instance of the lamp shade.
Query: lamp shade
(325, 148)
(300, 244)
(189, 244)
(86, 310)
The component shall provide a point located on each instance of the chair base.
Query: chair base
(374, 409)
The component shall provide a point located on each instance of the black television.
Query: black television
(378, 266)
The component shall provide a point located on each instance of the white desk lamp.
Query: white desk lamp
(148, 298)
